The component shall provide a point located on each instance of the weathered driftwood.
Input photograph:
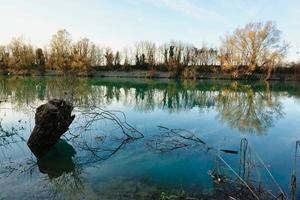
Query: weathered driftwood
(52, 120)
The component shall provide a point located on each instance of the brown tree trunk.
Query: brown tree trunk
(52, 120)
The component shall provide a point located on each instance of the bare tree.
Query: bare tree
(82, 54)
(22, 54)
(40, 60)
(60, 50)
(145, 53)
(97, 56)
(117, 59)
(4, 57)
(127, 60)
(257, 45)
(109, 57)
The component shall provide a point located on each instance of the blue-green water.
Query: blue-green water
(87, 163)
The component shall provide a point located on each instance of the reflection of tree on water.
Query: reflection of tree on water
(243, 106)
(248, 111)
(247, 107)
(65, 176)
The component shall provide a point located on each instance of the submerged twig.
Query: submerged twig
(103, 146)
(170, 139)
(11, 135)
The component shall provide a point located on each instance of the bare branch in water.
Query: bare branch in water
(103, 146)
(88, 116)
(170, 139)
(11, 135)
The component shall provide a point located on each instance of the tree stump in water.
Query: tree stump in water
(52, 120)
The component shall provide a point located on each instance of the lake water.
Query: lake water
(182, 131)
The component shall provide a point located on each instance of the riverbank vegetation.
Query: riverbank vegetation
(257, 48)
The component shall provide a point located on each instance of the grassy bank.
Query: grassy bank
(282, 74)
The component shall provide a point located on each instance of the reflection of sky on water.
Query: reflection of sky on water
(197, 106)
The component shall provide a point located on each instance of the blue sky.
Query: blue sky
(120, 23)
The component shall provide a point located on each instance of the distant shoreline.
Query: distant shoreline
(153, 75)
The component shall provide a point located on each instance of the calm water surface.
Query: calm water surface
(93, 161)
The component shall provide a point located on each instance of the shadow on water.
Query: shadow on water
(57, 160)
(65, 175)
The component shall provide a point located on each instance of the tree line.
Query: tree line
(255, 47)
